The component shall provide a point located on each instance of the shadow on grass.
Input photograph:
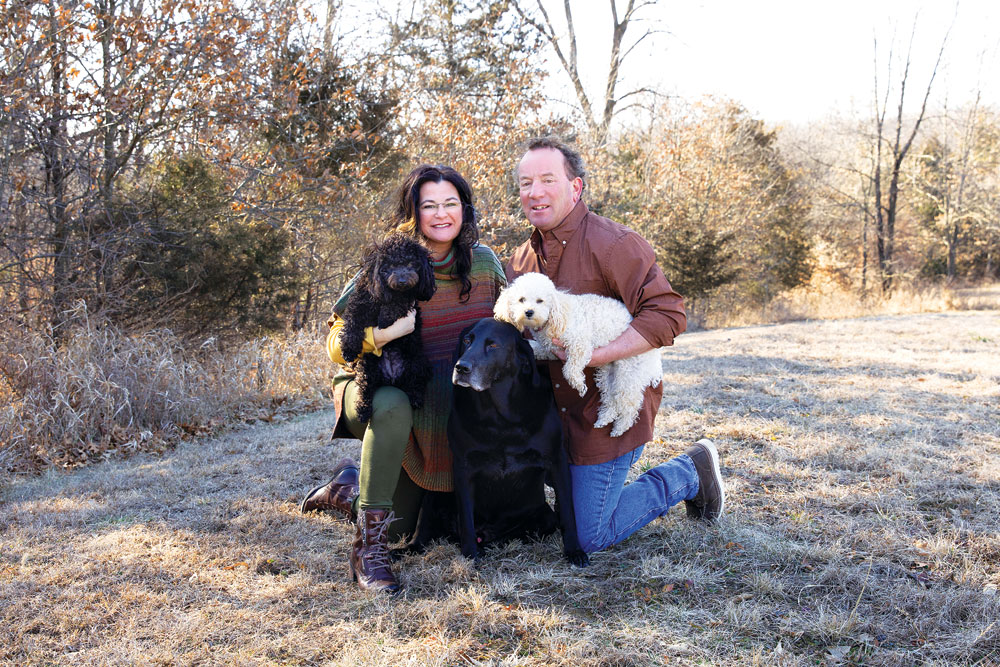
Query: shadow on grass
(861, 524)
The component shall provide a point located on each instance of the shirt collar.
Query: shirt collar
(564, 230)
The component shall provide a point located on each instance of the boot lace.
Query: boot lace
(377, 553)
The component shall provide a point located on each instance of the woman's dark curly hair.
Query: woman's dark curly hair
(405, 217)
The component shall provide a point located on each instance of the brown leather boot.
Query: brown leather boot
(337, 494)
(370, 552)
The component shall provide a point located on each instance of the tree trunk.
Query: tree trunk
(886, 234)
(53, 139)
(953, 236)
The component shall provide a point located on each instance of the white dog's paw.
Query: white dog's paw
(577, 382)
(624, 423)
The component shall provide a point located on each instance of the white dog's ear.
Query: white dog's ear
(501, 309)
(558, 314)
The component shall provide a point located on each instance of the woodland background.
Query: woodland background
(185, 185)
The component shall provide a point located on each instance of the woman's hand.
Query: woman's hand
(401, 327)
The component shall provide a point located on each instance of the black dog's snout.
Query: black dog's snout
(462, 368)
(529, 313)
(402, 278)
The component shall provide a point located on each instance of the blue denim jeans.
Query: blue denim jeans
(608, 510)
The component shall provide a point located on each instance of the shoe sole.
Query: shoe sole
(716, 470)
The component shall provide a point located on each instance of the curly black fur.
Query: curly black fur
(394, 276)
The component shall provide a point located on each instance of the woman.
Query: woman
(404, 451)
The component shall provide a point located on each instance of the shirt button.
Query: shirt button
(564, 409)
(557, 385)
(564, 243)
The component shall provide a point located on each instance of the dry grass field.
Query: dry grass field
(863, 467)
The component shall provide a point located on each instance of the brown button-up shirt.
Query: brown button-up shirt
(588, 254)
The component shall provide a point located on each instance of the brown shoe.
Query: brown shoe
(370, 552)
(337, 494)
(711, 498)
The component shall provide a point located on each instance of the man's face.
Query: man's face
(547, 193)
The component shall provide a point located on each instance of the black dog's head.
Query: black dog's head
(399, 265)
(489, 351)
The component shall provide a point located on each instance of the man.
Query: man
(585, 253)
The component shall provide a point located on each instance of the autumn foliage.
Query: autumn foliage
(208, 170)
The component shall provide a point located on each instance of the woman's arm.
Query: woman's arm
(375, 338)
(333, 341)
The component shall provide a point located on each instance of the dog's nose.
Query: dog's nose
(462, 368)
(529, 313)
(402, 279)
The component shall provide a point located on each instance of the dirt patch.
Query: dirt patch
(863, 464)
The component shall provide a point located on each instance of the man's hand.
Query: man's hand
(401, 327)
(558, 349)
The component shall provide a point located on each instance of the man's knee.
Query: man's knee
(592, 535)
(598, 542)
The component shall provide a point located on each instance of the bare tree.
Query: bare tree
(897, 146)
(598, 123)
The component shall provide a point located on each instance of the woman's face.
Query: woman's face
(440, 212)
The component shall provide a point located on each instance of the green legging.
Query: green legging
(383, 482)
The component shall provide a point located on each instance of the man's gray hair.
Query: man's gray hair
(571, 159)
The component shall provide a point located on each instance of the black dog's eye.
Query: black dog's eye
(467, 340)
(490, 345)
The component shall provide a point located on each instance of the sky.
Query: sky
(795, 61)
(786, 61)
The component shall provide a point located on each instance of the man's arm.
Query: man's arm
(629, 344)
(630, 272)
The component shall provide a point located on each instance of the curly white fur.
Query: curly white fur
(582, 322)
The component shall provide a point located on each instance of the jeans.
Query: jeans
(608, 510)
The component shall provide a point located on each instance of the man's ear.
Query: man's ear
(577, 184)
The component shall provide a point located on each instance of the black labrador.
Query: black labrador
(506, 440)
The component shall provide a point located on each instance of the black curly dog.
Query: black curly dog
(395, 274)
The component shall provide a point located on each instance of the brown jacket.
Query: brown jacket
(588, 254)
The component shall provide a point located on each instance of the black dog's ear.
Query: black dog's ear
(426, 286)
(526, 361)
(371, 272)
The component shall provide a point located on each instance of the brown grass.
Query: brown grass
(824, 299)
(100, 392)
(863, 464)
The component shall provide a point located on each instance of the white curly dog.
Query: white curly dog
(582, 322)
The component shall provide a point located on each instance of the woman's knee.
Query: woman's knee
(391, 404)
